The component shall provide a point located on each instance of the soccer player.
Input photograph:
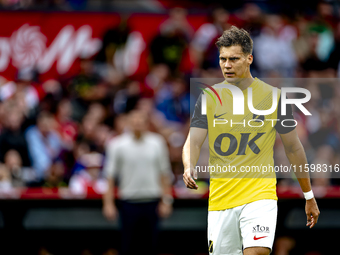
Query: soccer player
(140, 161)
(243, 206)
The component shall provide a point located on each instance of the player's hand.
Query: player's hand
(187, 178)
(312, 212)
(164, 210)
(110, 211)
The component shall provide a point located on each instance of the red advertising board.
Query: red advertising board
(53, 42)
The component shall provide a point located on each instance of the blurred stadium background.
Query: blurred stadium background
(73, 69)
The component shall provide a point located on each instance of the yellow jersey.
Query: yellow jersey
(241, 146)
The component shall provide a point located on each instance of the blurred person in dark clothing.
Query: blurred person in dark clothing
(66, 127)
(102, 134)
(120, 53)
(20, 176)
(177, 21)
(313, 65)
(94, 134)
(127, 98)
(27, 91)
(326, 14)
(203, 48)
(174, 101)
(334, 58)
(85, 142)
(157, 121)
(87, 128)
(97, 112)
(120, 124)
(2, 116)
(74, 165)
(85, 88)
(251, 18)
(169, 46)
(283, 245)
(325, 134)
(91, 122)
(139, 160)
(168, 49)
(13, 136)
(157, 77)
(319, 41)
(55, 176)
(113, 39)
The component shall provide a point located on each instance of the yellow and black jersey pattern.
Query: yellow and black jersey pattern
(238, 141)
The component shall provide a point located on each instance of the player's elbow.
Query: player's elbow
(294, 149)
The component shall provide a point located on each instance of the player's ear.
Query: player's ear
(250, 59)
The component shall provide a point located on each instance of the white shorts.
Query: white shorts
(250, 225)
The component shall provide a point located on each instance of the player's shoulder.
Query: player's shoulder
(219, 84)
(264, 86)
(117, 140)
(154, 137)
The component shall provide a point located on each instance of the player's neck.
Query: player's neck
(137, 135)
(244, 82)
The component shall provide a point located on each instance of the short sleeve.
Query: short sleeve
(111, 158)
(198, 120)
(164, 159)
(285, 123)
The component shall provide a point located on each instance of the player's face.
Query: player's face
(138, 121)
(235, 64)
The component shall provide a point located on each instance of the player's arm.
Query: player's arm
(297, 158)
(109, 208)
(164, 165)
(192, 147)
(165, 204)
(191, 153)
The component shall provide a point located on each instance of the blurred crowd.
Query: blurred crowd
(54, 133)
(66, 5)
